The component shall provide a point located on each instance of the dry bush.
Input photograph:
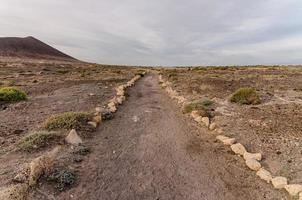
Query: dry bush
(14, 192)
(245, 96)
(202, 107)
(42, 165)
(40, 139)
(69, 120)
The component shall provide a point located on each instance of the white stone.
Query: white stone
(293, 189)
(111, 104)
(256, 156)
(98, 109)
(93, 124)
(253, 164)
(73, 138)
(229, 142)
(238, 149)
(226, 140)
(264, 175)
(120, 100)
(112, 109)
(206, 121)
(198, 119)
(195, 114)
(221, 138)
(279, 182)
(97, 119)
(120, 93)
(212, 126)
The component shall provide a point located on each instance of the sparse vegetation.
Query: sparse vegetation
(63, 178)
(82, 150)
(11, 94)
(63, 71)
(39, 140)
(245, 96)
(69, 120)
(201, 106)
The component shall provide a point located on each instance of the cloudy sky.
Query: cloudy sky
(162, 32)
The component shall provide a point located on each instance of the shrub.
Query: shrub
(69, 120)
(39, 140)
(201, 106)
(11, 94)
(245, 96)
(63, 178)
(82, 150)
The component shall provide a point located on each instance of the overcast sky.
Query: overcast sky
(162, 32)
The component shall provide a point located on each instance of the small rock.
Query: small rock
(20, 178)
(73, 138)
(264, 175)
(238, 149)
(256, 156)
(279, 182)
(98, 109)
(97, 119)
(91, 94)
(300, 196)
(111, 104)
(212, 126)
(195, 114)
(253, 164)
(226, 140)
(198, 119)
(293, 189)
(135, 118)
(206, 121)
(93, 124)
(112, 109)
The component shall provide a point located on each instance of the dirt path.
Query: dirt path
(151, 151)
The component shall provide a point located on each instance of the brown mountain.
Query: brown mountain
(29, 47)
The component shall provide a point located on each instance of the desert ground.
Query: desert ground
(150, 148)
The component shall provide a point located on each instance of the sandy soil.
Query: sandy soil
(273, 127)
(151, 151)
(52, 88)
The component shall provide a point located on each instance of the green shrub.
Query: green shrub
(245, 96)
(69, 120)
(39, 140)
(11, 94)
(63, 178)
(201, 106)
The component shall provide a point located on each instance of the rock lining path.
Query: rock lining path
(150, 150)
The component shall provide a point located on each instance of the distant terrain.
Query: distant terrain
(149, 146)
(29, 47)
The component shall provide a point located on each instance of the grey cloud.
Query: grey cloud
(162, 32)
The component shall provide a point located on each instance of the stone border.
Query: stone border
(29, 177)
(252, 160)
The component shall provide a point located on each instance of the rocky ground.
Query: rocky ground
(272, 127)
(150, 149)
(52, 88)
